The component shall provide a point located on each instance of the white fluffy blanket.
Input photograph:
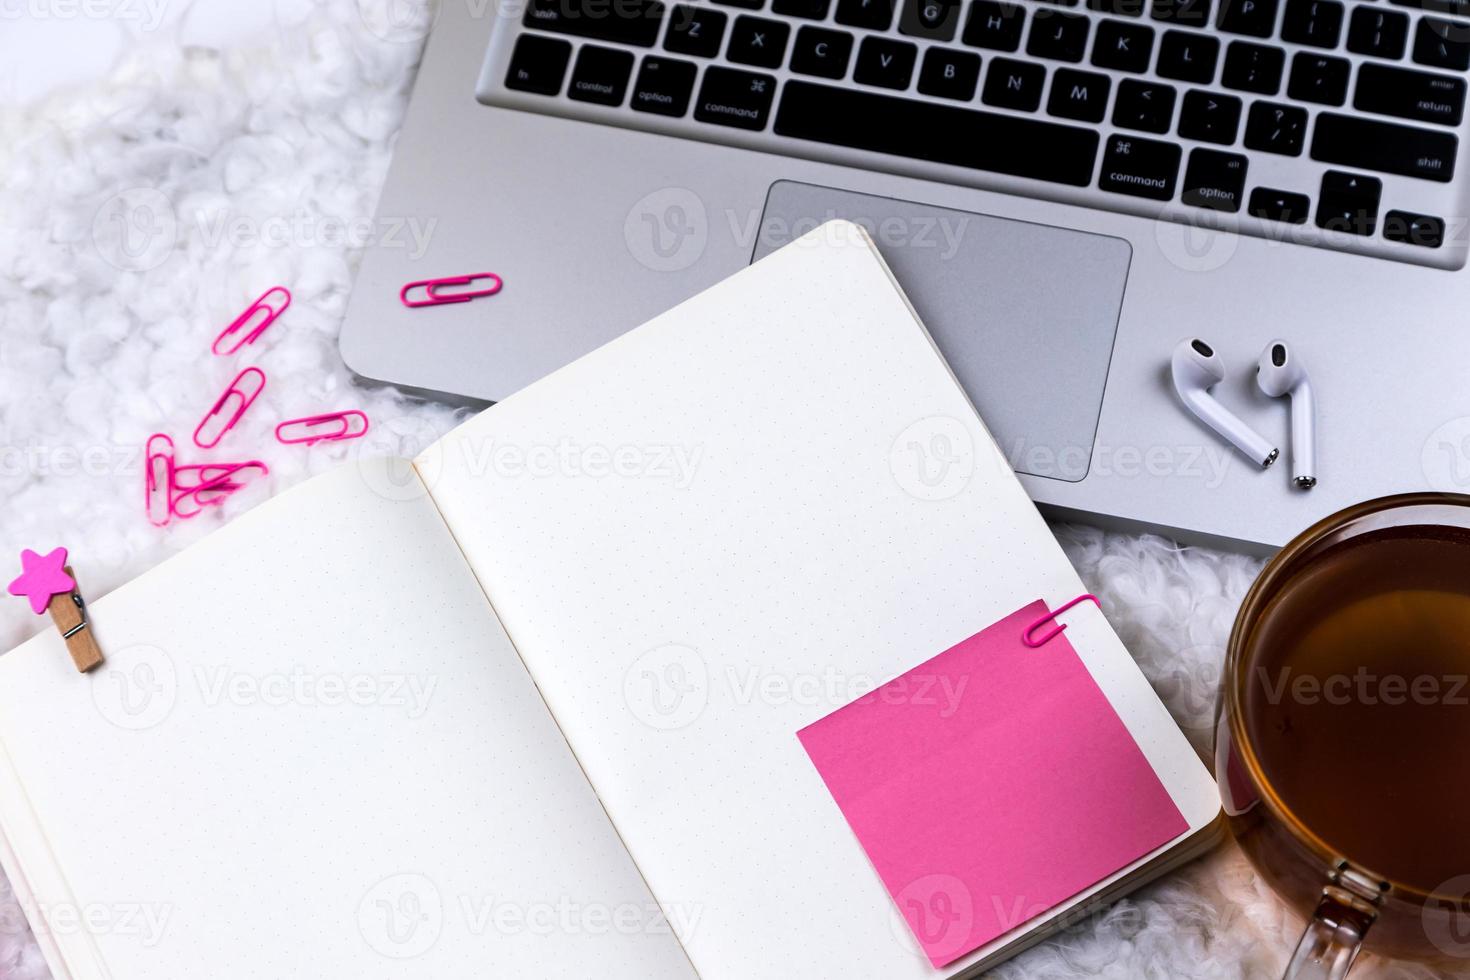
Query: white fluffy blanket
(142, 214)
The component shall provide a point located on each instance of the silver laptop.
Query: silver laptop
(1065, 190)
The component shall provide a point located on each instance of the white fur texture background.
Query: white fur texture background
(141, 215)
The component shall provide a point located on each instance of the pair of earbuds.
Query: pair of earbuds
(1196, 369)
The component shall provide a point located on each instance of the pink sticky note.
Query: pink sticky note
(990, 784)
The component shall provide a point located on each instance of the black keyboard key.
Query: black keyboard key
(1274, 205)
(949, 74)
(1378, 32)
(1460, 8)
(663, 86)
(1139, 167)
(636, 22)
(1056, 35)
(926, 131)
(1123, 8)
(1424, 230)
(1317, 23)
(1410, 94)
(743, 4)
(875, 15)
(1188, 57)
(1276, 128)
(934, 19)
(695, 30)
(1123, 46)
(885, 63)
(807, 9)
(1256, 18)
(1253, 68)
(757, 41)
(1442, 43)
(538, 64)
(994, 25)
(741, 99)
(1079, 95)
(1318, 78)
(1185, 13)
(1349, 203)
(1386, 147)
(822, 52)
(1214, 180)
(1014, 84)
(600, 75)
(1209, 117)
(1144, 105)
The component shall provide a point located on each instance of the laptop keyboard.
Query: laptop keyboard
(1320, 122)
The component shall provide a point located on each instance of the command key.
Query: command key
(1142, 168)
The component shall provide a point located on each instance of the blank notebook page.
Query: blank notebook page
(312, 752)
(714, 531)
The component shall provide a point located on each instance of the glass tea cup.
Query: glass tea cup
(1350, 905)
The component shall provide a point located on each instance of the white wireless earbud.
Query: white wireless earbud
(1197, 369)
(1280, 373)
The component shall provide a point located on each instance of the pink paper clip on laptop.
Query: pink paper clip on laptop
(253, 322)
(246, 387)
(322, 428)
(435, 292)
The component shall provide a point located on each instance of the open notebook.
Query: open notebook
(529, 706)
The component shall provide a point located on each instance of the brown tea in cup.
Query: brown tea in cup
(1356, 700)
(1340, 740)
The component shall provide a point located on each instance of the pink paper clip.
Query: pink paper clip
(1031, 641)
(194, 477)
(434, 294)
(192, 503)
(322, 428)
(252, 322)
(244, 394)
(158, 479)
(210, 485)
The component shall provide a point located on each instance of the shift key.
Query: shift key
(1366, 144)
(1141, 168)
(622, 21)
(735, 98)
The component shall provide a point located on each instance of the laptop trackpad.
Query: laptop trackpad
(1025, 313)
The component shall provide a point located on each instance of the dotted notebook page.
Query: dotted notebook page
(313, 752)
(718, 529)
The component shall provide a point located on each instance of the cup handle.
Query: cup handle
(1332, 939)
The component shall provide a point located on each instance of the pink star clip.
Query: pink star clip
(42, 577)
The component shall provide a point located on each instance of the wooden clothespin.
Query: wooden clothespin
(47, 581)
(69, 613)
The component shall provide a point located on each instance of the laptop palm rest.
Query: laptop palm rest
(1025, 313)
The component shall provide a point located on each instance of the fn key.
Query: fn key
(538, 64)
